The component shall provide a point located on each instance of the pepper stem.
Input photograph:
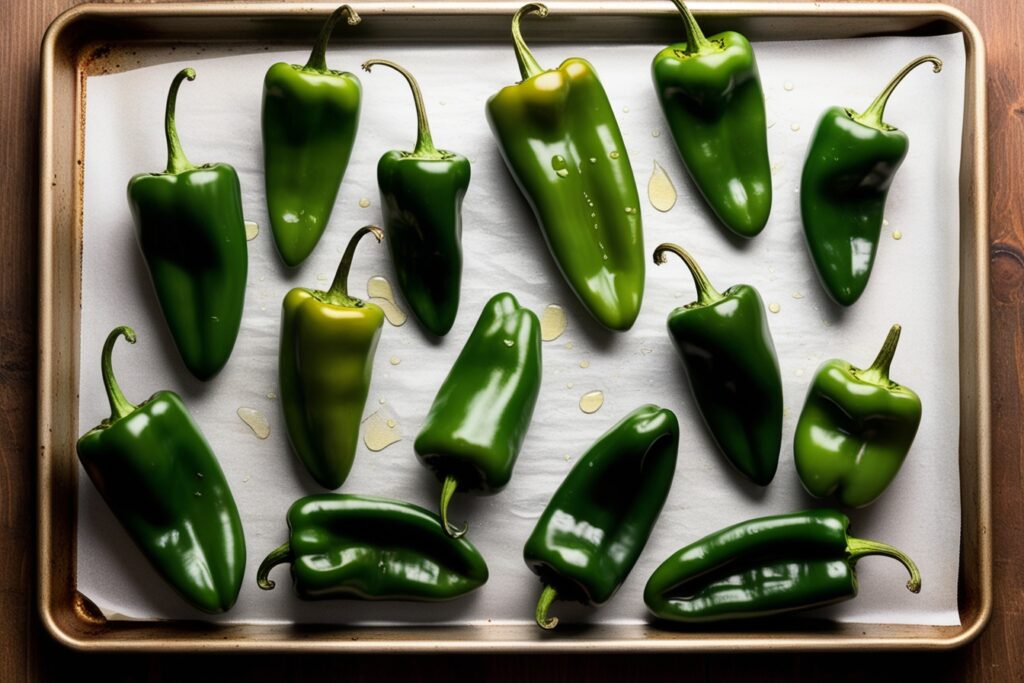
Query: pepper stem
(879, 370)
(424, 142)
(339, 288)
(318, 57)
(547, 596)
(872, 116)
(528, 66)
(447, 491)
(176, 159)
(706, 293)
(279, 555)
(860, 547)
(119, 405)
(695, 40)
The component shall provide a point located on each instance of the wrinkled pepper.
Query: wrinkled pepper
(733, 371)
(421, 198)
(328, 342)
(850, 166)
(162, 481)
(310, 118)
(710, 91)
(359, 547)
(855, 429)
(597, 523)
(189, 225)
(561, 142)
(763, 567)
(476, 425)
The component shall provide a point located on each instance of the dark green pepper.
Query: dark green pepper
(476, 425)
(328, 341)
(765, 566)
(157, 473)
(597, 523)
(855, 429)
(732, 369)
(421, 198)
(310, 118)
(559, 137)
(850, 165)
(345, 546)
(710, 91)
(189, 224)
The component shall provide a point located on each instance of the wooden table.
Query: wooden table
(27, 652)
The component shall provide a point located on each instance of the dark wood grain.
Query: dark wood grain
(27, 652)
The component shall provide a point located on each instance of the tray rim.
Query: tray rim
(220, 638)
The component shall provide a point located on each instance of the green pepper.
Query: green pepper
(421, 198)
(765, 566)
(559, 137)
(597, 523)
(188, 221)
(328, 341)
(733, 372)
(850, 166)
(855, 429)
(310, 118)
(710, 91)
(476, 425)
(162, 481)
(346, 546)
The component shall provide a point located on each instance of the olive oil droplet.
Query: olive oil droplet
(897, 235)
(774, 308)
(552, 322)
(380, 431)
(561, 167)
(591, 401)
(251, 230)
(584, 363)
(256, 420)
(660, 190)
(378, 290)
(364, 203)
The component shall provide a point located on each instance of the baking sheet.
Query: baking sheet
(914, 283)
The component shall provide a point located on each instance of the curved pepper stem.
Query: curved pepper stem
(424, 142)
(447, 491)
(695, 40)
(706, 293)
(176, 159)
(872, 116)
(119, 405)
(547, 596)
(338, 293)
(860, 547)
(318, 57)
(280, 555)
(879, 370)
(528, 65)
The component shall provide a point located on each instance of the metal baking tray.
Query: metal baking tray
(90, 39)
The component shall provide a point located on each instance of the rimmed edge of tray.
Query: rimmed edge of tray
(76, 38)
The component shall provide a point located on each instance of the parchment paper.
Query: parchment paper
(914, 283)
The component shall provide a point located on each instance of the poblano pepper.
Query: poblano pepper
(855, 429)
(850, 166)
(476, 425)
(345, 546)
(189, 225)
(310, 118)
(328, 341)
(729, 356)
(763, 567)
(710, 91)
(421, 198)
(162, 481)
(597, 523)
(561, 142)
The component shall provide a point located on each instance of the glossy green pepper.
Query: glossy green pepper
(727, 349)
(189, 225)
(597, 523)
(476, 425)
(157, 473)
(310, 118)
(328, 341)
(710, 91)
(855, 429)
(346, 546)
(559, 137)
(763, 567)
(850, 166)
